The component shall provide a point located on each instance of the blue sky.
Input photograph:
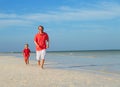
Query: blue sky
(71, 24)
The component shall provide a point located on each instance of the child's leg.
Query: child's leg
(25, 60)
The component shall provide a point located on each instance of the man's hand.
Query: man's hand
(47, 46)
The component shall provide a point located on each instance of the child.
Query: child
(26, 53)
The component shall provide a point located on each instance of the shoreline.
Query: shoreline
(14, 73)
(49, 51)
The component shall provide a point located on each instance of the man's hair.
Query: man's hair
(41, 27)
(27, 44)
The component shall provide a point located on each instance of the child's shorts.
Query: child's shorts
(40, 54)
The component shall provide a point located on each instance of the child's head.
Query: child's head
(26, 45)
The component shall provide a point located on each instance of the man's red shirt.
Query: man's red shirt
(41, 40)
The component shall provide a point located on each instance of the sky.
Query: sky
(70, 24)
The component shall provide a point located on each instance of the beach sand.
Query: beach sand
(14, 73)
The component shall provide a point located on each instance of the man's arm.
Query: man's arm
(47, 43)
(36, 44)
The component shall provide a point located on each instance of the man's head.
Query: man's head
(41, 28)
(26, 45)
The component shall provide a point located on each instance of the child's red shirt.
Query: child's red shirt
(26, 52)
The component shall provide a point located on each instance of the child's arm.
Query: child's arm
(23, 53)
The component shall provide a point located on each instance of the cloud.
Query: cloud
(103, 11)
(9, 20)
(13, 22)
(2, 16)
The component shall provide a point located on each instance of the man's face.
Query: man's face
(26, 46)
(40, 29)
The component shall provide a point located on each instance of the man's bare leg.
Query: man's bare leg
(39, 62)
(42, 63)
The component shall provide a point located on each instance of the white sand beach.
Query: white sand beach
(14, 73)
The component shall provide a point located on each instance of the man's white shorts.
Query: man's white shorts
(40, 54)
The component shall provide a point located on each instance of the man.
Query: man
(41, 41)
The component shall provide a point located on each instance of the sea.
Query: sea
(107, 61)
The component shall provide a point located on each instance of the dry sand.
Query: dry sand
(14, 73)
